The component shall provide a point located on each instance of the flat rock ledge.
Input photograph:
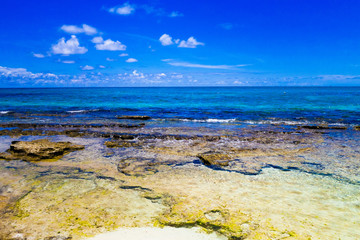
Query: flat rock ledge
(215, 159)
(38, 150)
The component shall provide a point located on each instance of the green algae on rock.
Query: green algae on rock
(83, 204)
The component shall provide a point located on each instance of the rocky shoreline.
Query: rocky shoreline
(104, 176)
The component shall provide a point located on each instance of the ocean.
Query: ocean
(187, 105)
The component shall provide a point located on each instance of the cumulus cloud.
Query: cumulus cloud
(166, 40)
(125, 9)
(124, 55)
(110, 59)
(71, 46)
(97, 40)
(72, 29)
(108, 45)
(87, 67)
(137, 74)
(102, 66)
(131, 60)
(190, 43)
(23, 73)
(38, 55)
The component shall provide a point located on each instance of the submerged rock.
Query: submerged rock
(322, 127)
(38, 150)
(120, 144)
(137, 166)
(134, 117)
(215, 159)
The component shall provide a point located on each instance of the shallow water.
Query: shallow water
(277, 176)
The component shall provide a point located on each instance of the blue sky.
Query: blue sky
(179, 43)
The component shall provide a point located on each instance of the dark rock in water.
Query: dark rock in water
(321, 127)
(134, 117)
(38, 150)
(215, 159)
(124, 137)
(357, 128)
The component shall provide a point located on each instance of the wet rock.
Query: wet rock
(39, 150)
(134, 117)
(215, 159)
(120, 144)
(323, 127)
(357, 128)
(134, 166)
(124, 137)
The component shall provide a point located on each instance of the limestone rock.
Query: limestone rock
(120, 144)
(135, 166)
(215, 159)
(38, 150)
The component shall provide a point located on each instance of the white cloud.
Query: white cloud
(195, 65)
(89, 30)
(160, 75)
(125, 9)
(110, 45)
(137, 74)
(97, 40)
(38, 55)
(72, 29)
(14, 72)
(87, 67)
(238, 82)
(71, 46)
(102, 66)
(124, 55)
(131, 60)
(23, 73)
(68, 61)
(190, 43)
(110, 59)
(166, 40)
(176, 14)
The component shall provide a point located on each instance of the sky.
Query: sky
(179, 43)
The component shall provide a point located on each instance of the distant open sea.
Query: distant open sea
(186, 105)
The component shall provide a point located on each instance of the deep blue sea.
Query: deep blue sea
(211, 105)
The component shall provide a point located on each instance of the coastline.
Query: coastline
(255, 183)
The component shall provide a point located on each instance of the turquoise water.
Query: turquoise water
(340, 105)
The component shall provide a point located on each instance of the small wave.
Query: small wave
(83, 111)
(210, 120)
(285, 122)
(289, 122)
(4, 112)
